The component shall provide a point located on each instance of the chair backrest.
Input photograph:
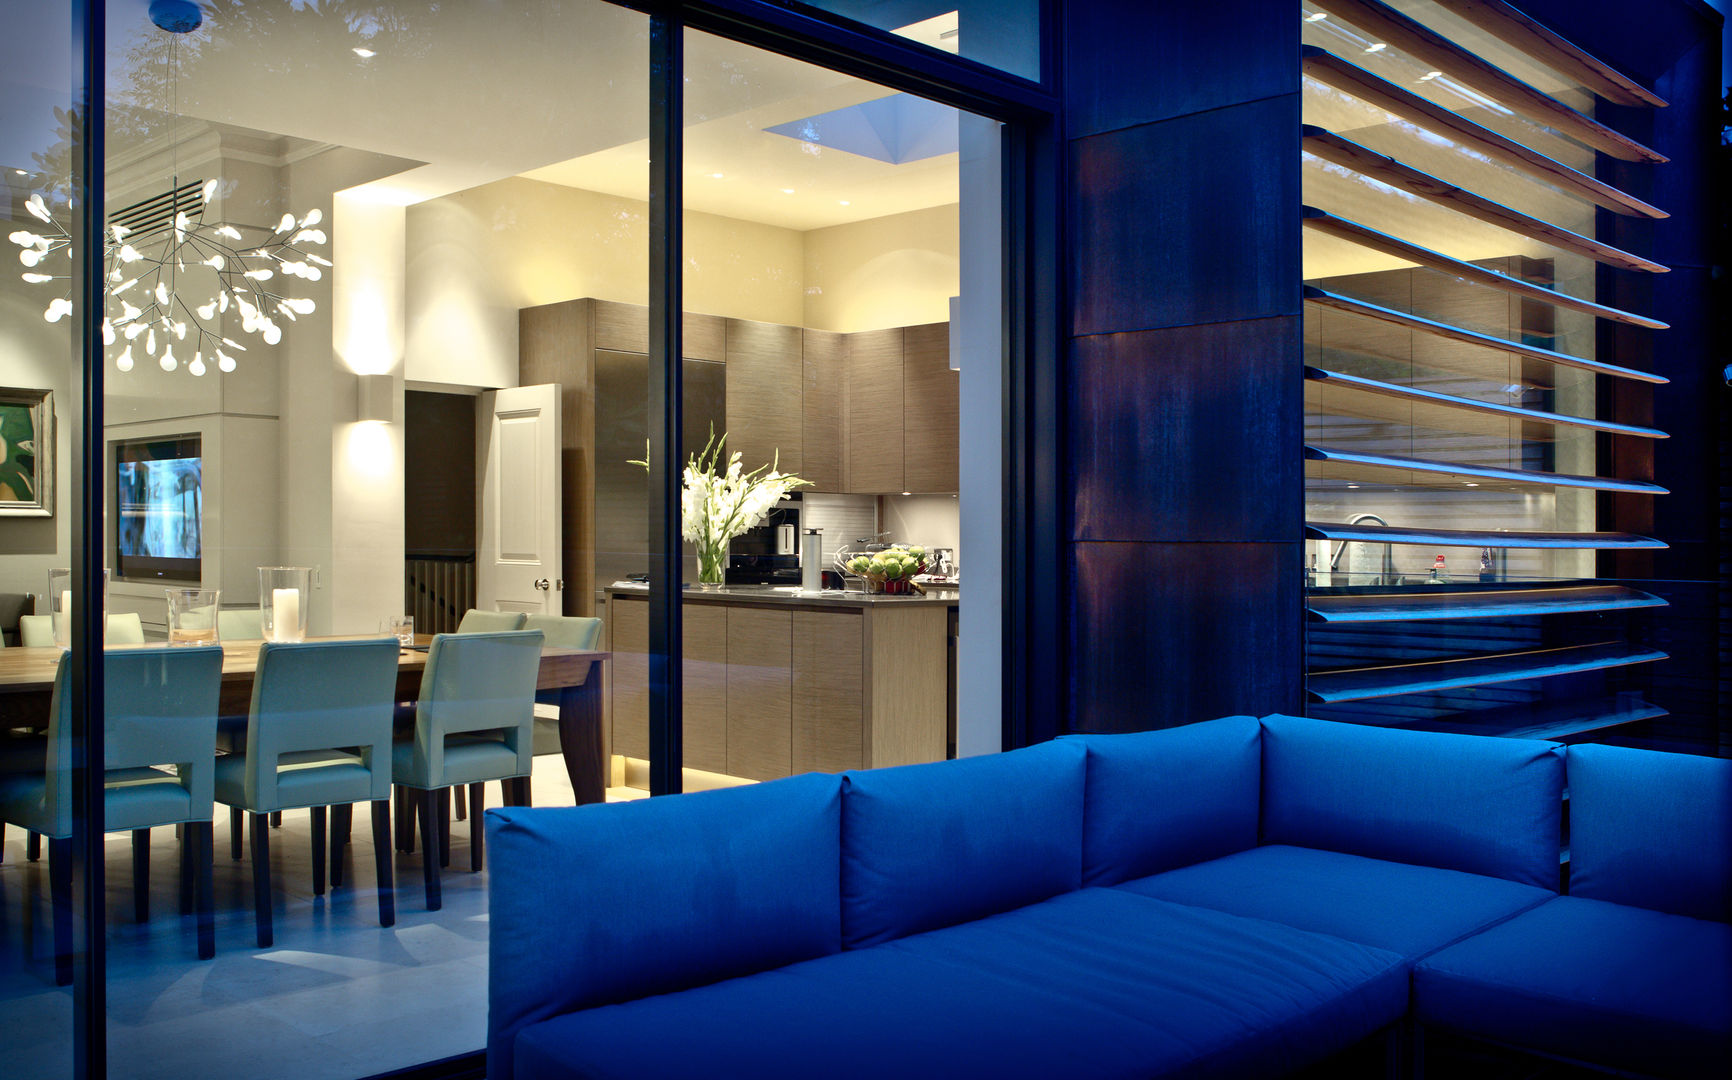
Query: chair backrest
(477, 682)
(476, 621)
(240, 624)
(566, 631)
(35, 631)
(160, 708)
(125, 629)
(321, 695)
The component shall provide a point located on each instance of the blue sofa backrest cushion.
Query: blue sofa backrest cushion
(925, 846)
(1159, 800)
(1651, 829)
(1460, 802)
(611, 902)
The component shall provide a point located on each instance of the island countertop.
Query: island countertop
(791, 596)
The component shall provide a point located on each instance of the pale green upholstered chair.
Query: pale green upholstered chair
(476, 621)
(240, 624)
(564, 632)
(318, 736)
(160, 710)
(35, 631)
(474, 722)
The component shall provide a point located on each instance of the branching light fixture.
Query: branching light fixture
(170, 278)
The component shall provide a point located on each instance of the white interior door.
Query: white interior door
(519, 561)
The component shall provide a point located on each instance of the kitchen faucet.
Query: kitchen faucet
(1386, 575)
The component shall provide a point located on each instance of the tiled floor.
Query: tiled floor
(336, 996)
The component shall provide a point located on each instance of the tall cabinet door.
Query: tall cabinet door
(760, 717)
(874, 404)
(829, 691)
(822, 409)
(628, 637)
(705, 688)
(930, 413)
(766, 380)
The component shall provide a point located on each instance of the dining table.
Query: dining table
(27, 687)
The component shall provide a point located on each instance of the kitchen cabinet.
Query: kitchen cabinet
(824, 352)
(628, 639)
(705, 689)
(625, 328)
(873, 399)
(829, 686)
(930, 410)
(759, 682)
(766, 385)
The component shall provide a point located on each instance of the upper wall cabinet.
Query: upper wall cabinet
(929, 410)
(873, 400)
(821, 410)
(625, 328)
(766, 379)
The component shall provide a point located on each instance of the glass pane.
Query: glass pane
(353, 380)
(1004, 34)
(39, 488)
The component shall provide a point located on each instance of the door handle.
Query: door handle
(541, 583)
(559, 583)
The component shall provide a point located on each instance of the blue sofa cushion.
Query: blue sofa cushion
(1616, 986)
(593, 904)
(1461, 802)
(1096, 983)
(1651, 829)
(925, 846)
(1410, 910)
(1161, 799)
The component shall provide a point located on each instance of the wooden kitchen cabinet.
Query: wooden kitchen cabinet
(759, 691)
(705, 689)
(766, 381)
(873, 400)
(829, 691)
(625, 328)
(930, 410)
(628, 630)
(821, 409)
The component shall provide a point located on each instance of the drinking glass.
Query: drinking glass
(401, 627)
(192, 618)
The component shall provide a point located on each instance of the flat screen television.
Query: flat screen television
(159, 506)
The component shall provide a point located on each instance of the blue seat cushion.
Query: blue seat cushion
(1614, 986)
(1157, 800)
(1094, 983)
(925, 846)
(1410, 910)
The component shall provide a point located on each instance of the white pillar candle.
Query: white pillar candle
(285, 614)
(63, 621)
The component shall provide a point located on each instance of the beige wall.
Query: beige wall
(37, 355)
(899, 270)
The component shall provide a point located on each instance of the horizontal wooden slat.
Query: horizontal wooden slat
(1357, 684)
(1381, 167)
(1470, 337)
(1414, 393)
(1545, 719)
(1391, 27)
(1421, 602)
(1495, 538)
(1331, 70)
(1353, 232)
(1549, 48)
(1485, 472)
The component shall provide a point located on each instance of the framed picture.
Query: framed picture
(26, 453)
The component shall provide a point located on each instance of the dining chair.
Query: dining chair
(160, 707)
(565, 632)
(474, 722)
(240, 624)
(37, 631)
(318, 736)
(476, 621)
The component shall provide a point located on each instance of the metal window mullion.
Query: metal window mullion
(89, 1010)
(666, 206)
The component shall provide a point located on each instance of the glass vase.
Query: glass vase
(712, 567)
(285, 594)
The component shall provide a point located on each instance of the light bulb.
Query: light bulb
(124, 360)
(197, 365)
(58, 308)
(225, 361)
(168, 362)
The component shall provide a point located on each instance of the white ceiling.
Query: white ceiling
(488, 89)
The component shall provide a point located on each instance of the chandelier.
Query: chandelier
(172, 279)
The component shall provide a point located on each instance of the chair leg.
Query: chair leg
(318, 816)
(203, 835)
(430, 844)
(406, 813)
(276, 819)
(60, 885)
(462, 803)
(342, 817)
(188, 837)
(235, 831)
(477, 833)
(261, 829)
(444, 797)
(141, 875)
(382, 861)
(32, 845)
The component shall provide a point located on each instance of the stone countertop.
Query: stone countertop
(787, 595)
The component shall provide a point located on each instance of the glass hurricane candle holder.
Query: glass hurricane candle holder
(285, 593)
(192, 616)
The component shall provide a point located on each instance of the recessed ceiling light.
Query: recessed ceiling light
(787, 191)
(1379, 47)
(1319, 17)
(844, 202)
(364, 53)
(1469, 483)
(715, 176)
(1352, 487)
(20, 172)
(908, 493)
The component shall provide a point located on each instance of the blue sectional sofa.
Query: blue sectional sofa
(1231, 898)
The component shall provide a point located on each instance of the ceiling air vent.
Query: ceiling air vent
(157, 212)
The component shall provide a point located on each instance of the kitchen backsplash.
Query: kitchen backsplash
(932, 521)
(844, 519)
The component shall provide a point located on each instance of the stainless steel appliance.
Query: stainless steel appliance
(770, 553)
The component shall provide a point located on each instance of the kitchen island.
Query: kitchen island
(777, 681)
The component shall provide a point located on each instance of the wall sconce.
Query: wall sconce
(376, 399)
